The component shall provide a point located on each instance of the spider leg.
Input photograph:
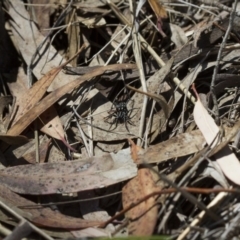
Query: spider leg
(109, 116)
(130, 112)
(126, 122)
(115, 121)
(110, 128)
(130, 122)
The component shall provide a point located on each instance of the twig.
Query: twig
(200, 216)
(219, 5)
(196, 6)
(151, 51)
(216, 69)
(138, 59)
(184, 190)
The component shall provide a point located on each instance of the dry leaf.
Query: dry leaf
(73, 33)
(43, 150)
(33, 95)
(143, 217)
(44, 216)
(71, 176)
(52, 124)
(226, 159)
(54, 96)
(160, 12)
(158, 8)
(27, 37)
(90, 233)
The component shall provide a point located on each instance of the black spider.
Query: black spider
(121, 114)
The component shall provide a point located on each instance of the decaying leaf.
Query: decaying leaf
(52, 124)
(71, 176)
(34, 94)
(94, 108)
(143, 217)
(44, 216)
(160, 12)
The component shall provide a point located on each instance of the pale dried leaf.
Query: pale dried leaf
(71, 176)
(205, 123)
(178, 35)
(52, 124)
(225, 158)
(90, 232)
(27, 37)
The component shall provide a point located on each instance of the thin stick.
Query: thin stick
(219, 5)
(138, 58)
(151, 51)
(183, 190)
(216, 69)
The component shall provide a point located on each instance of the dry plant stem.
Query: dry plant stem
(232, 229)
(108, 43)
(200, 216)
(174, 190)
(36, 136)
(122, 226)
(116, 49)
(91, 147)
(146, 46)
(219, 5)
(21, 231)
(199, 158)
(4, 231)
(216, 69)
(36, 206)
(196, 6)
(189, 196)
(29, 68)
(20, 218)
(138, 58)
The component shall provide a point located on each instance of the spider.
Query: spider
(121, 114)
